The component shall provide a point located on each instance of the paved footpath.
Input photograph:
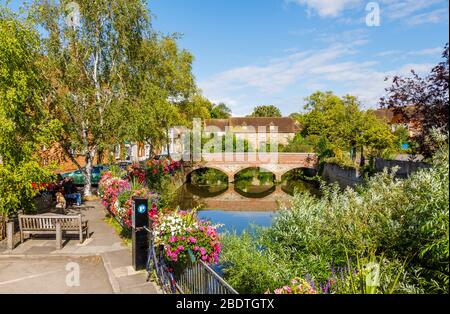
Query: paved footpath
(103, 260)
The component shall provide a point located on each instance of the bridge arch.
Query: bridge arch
(261, 170)
(255, 182)
(298, 171)
(205, 168)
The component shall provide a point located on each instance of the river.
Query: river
(239, 206)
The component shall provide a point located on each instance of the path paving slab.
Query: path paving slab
(104, 260)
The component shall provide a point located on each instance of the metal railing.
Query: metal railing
(199, 278)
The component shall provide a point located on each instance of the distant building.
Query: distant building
(255, 130)
(413, 125)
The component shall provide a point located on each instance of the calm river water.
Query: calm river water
(238, 207)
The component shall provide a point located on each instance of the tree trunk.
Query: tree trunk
(100, 156)
(87, 175)
(362, 162)
(168, 143)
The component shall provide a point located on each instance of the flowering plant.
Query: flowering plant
(125, 206)
(40, 187)
(109, 189)
(137, 173)
(117, 196)
(303, 286)
(157, 170)
(186, 238)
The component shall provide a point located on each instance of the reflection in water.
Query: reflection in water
(290, 187)
(227, 198)
(254, 198)
(236, 198)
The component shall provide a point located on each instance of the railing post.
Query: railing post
(10, 235)
(205, 280)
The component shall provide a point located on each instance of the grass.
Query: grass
(125, 234)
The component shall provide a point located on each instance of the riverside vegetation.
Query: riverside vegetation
(402, 226)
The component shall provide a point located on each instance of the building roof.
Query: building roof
(392, 117)
(245, 125)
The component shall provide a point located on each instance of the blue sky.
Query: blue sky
(260, 52)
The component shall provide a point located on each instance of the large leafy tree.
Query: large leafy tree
(334, 124)
(266, 112)
(24, 120)
(423, 100)
(220, 111)
(105, 63)
(161, 93)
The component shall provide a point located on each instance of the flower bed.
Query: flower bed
(117, 197)
(181, 236)
(186, 238)
(304, 286)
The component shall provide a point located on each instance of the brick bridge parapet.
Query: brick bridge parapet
(233, 163)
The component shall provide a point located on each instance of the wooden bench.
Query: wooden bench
(53, 224)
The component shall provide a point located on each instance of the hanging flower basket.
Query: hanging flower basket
(185, 238)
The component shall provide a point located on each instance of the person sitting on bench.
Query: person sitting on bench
(70, 190)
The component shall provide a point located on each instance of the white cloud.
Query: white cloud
(397, 9)
(412, 12)
(428, 52)
(399, 53)
(327, 8)
(297, 75)
(389, 53)
(433, 17)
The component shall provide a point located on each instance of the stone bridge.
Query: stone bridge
(232, 163)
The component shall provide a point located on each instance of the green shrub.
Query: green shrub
(398, 220)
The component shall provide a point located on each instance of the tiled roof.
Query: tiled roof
(245, 125)
(392, 117)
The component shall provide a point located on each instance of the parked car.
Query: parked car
(78, 178)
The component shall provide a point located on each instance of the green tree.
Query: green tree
(105, 71)
(220, 111)
(266, 112)
(24, 121)
(335, 125)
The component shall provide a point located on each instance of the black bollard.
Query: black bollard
(140, 236)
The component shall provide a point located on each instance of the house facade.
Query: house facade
(258, 131)
(396, 120)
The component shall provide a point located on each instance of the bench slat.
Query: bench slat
(42, 223)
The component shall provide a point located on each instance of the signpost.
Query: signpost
(140, 237)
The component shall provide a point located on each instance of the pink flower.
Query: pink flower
(279, 291)
(192, 239)
(202, 251)
(287, 289)
(172, 239)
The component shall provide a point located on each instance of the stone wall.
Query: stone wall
(343, 176)
(351, 177)
(406, 168)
